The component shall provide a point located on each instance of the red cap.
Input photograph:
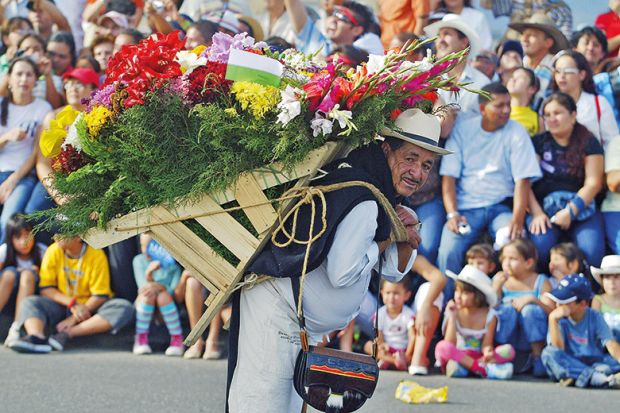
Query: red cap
(84, 75)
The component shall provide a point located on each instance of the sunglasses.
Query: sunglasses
(345, 15)
(567, 71)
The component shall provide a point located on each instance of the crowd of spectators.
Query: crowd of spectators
(530, 195)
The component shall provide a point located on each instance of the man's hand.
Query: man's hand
(410, 220)
(560, 312)
(516, 229)
(453, 223)
(80, 312)
(66, 324)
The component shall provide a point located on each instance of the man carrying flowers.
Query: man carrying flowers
(339, 263)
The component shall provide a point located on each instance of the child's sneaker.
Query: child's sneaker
(502, 371)
(454, 369)
(141, 344)
(418, 370)
(614, 382)
(176, 348)
(13, 335)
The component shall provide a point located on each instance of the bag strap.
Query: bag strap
(598, 118)
(296, 284)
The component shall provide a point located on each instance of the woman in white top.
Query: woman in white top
(21, 115)
(474, 17)
(572, 75)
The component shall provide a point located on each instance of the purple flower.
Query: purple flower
(223, 43)
(101, 97)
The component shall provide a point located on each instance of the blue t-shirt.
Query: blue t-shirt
(487, 164)
(586, 338)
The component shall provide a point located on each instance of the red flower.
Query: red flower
(316, 88)
(394, 114)
(205, 83)
(69, 160)
(145, 66)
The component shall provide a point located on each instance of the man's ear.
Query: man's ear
(549, 42)
(357, 31)
(385, 148)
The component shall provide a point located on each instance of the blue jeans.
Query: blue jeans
(17, 200)
(612, 230)
(589, 235)
(432, 215)
(521, 328)
(452, 247)
(561, 365)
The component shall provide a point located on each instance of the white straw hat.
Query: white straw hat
(609, 265)
(472, 275)
(454, 21)
(418, 128)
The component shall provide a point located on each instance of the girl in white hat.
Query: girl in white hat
(469, 330)
(608, 303)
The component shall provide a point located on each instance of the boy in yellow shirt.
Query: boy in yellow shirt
(76, 299)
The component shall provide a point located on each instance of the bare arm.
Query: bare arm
(56, 15)
(488, 339)
(613, 181)
(297, 13)
(448, 192)
(56, 296)
(431, 274)
(594, 181)
(519, 208)
(450, 334)
(92, 11)
(614, 349)
(555, 333)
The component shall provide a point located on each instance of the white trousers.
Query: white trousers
(268, 347)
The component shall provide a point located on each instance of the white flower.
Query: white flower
(375, 63)
(73, 138)
(425, 64)
(342, 116)
(321, 126)
(189, 61)
(289, 106)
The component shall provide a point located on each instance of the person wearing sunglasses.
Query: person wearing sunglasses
(347, 24)
(572, 75)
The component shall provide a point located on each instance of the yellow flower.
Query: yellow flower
(260, 99)
(199, 49)
(53, 137)
(96, 119)
(231, 111)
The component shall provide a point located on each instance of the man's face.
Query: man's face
(496, 113)
(615, 5)
(340, 29)
(410, 166)
(60, 55)
(535, 42)
(449, 41)
(41, 21)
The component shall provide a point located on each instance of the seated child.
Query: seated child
(522, 314)
(481, 256)
(469, 330)
(156, 283)
(523, 86)
(578, 338)
(396, 320)
(564, 259)
(20, 261)
(608, 303)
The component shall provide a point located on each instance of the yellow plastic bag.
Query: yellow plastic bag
(411, 392)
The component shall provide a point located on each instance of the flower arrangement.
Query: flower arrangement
(170, 123)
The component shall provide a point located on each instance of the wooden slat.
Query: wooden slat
(229, 232)
(214, 303)
(248, 192)
(192, 252)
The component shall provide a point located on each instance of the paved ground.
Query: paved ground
(81, 380)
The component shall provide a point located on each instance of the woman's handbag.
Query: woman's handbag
(331, 380)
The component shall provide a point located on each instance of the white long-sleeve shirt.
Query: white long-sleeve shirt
(334, 291)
